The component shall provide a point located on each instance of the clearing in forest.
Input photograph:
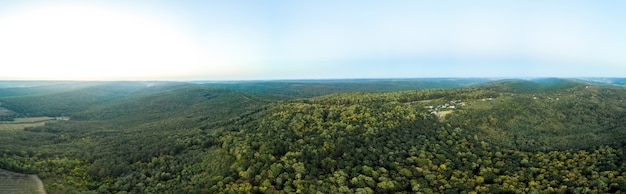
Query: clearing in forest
(442, 114)
(21, 123)
(426, 101)
(11, 182)
(5, 111)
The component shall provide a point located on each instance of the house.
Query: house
(62, 118)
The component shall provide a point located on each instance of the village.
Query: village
(446, 108)
(62, 118)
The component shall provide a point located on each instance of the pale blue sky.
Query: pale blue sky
(225, 40)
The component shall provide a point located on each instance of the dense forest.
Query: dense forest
(506, 136)
(313, 88)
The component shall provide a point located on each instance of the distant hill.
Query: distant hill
(312, 88)
(528, 86)
(28, 84)
(606, 81)
(54, 100)
(25, 88)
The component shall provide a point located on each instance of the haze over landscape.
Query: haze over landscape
(252, 40)
(321, 96)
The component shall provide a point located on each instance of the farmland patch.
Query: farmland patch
(21, 123)
(11, 182)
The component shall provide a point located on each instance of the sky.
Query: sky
(322, 39)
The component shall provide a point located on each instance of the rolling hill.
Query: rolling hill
(313, 88)
(547, 135)
(532, 86)
(30, 88)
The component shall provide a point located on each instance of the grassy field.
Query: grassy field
(32, 120)
(17, 183)
(443, 113)
(21, 123)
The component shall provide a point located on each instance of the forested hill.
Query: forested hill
(572, 118)
(29, 88)
(115, 126)
(388, 142)
(532, 86)
(606, 80)
(566, 137)
(313, 88)
(71, 98)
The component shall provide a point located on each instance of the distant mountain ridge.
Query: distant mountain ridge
(312, 88)
(606, 80)
(534, 85)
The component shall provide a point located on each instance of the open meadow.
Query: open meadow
(21, 123)
(16, 183)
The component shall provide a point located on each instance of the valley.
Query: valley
(502, 136)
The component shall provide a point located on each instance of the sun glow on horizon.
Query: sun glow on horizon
(248, 40)
(86, 43)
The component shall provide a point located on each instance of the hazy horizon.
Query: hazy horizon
(310, 79)
(310, 40)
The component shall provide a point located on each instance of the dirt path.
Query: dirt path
(40, 187)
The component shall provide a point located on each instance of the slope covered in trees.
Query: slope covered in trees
(29, 88)
(107, 135)
(554, 120)
(187, 138)
(313, 88)
(377, 142)
(531, 86)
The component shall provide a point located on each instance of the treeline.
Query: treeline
(8, 117)
(413, 96)
(532, 86)
(314, 88)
